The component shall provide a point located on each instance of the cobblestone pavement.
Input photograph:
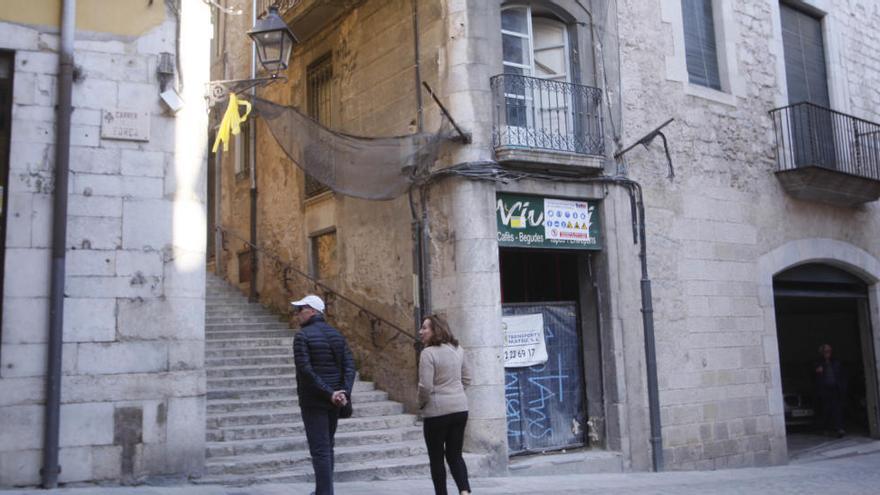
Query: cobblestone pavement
(853, 472)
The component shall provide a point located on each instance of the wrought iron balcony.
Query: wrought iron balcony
(826, 155)
(546, 121)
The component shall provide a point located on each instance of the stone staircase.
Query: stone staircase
(254, 430)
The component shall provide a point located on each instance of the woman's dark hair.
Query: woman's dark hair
(440, 333)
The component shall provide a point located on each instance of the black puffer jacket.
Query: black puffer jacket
(320, 372)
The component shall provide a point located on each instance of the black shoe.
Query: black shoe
(841, 433)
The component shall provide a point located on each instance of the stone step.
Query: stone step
(361, 399)
(234, 304)
(250, 432)
(413, 467)
(254, 424)
(247, 325)
(279, 393)
(243, 371)
(292, 414)
(287, 460)
(248, 334)
(282, 392)
(268, 360)
(294, 443)
(263, 318)
(226, 295)
(249, 343)
(254, 352)
(267, 381)
(237, 311)
(239, 314)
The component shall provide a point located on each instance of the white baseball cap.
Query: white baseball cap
(311, 301)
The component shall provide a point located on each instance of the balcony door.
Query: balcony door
(811, 125)
(538, 98)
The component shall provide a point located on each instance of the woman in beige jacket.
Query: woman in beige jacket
(443, 375)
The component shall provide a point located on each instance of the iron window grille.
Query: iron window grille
(319, 85)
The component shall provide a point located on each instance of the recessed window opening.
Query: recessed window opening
(701, 50)
(324, 260)
(319, 94)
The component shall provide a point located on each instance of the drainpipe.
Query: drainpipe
(51, 469)
(424, 228)
(421, 307)
(650, 347)
(252, 157)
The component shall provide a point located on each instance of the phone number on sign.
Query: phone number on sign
(512, 354)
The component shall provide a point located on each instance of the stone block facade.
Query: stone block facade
(717, 232)
(133, 385)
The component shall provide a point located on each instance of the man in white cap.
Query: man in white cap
(324, 379)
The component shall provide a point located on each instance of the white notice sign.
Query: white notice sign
(125, 124)
(524, 340)
(568, 220)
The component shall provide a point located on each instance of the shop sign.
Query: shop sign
(524, 343)
(538, 222)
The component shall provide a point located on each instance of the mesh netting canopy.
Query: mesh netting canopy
(362, 167)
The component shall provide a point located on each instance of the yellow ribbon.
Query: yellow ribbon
(231, 123)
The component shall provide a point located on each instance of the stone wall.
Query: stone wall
(133, 386)
(711, 230)
(708, 228)
(373, 88)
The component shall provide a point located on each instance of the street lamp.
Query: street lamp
(274, 42)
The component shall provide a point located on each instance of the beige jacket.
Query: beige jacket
(443, 375)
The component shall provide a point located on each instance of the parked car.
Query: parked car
(798, 409)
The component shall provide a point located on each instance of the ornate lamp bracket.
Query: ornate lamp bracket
(218, 91)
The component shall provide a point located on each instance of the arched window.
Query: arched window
(542, 109)
(534, 46)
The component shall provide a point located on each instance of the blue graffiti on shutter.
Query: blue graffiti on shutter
(545, 402)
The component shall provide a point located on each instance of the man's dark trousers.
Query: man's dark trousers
(320, 424)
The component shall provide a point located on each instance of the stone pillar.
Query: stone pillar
(465, 277)
(469, 295)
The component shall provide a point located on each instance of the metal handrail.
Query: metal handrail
(810, 135)
(374, 318)
(545, 114)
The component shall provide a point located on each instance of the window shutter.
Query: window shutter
(551, 58)
(699, 42)
(804, 49)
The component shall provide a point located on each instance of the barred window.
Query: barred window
(319, 85)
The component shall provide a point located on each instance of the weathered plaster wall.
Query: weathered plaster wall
(719, 370)
(133, 384)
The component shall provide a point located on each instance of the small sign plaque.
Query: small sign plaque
(129, 125)
(524, 343)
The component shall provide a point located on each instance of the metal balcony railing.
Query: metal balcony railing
(809, 135)
(543, 114)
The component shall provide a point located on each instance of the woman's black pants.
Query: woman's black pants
(444, 436)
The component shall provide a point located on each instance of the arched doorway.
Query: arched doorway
(819, 304)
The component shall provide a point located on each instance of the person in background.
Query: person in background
(831, 390)
(443, 375)
(324, 378)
